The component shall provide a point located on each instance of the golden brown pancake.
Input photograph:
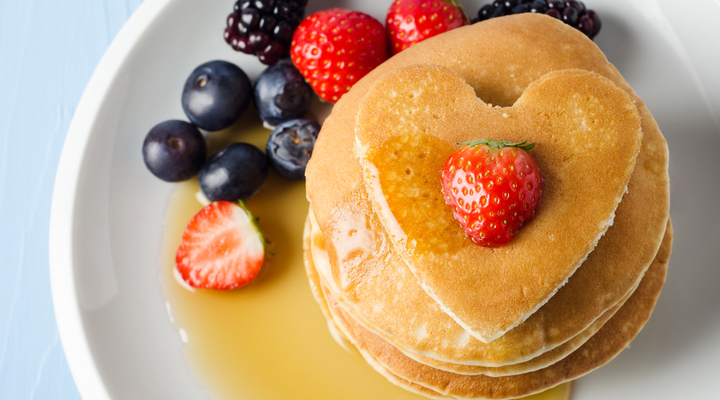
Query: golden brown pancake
(388, 280)
(315, 285)
(540, 361)
(318, 294)
(369, 276)
(499, 58)
(600, 349)
(587, 136)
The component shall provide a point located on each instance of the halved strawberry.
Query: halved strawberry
(221, 248)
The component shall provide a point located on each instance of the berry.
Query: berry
(334, 48)
(174, 150)
(290, 146)
(412, 21)
(558, 5)
(589, 23)
(538, 6)
(571, 12)
(216, 94)
(484, 12)
(281, 94)
(250, 18)
(266, 25)
(494, 189)
(222, 248)
(554, 13)
(521, 8)
(234, 173)
(570, 16)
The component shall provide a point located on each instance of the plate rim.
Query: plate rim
(66, 305)
(68, 313)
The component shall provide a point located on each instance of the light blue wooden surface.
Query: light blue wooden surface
(48, 50)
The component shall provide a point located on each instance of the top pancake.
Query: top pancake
(587, 135)
(499, 58)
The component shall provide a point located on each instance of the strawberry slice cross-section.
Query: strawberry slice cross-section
(222, 248)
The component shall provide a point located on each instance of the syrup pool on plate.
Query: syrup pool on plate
(268, 340)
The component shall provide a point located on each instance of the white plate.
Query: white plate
(107, 212)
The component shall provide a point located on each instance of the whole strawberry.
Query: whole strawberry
(334, 48)
(412, 21)
(494, 189)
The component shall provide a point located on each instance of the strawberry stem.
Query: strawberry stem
(255, 224)
(499, 144)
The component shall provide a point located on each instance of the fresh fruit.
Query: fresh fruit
(290, 146)
(494, 189)
(281, 94)
(235, 172)
(222, 248)
(264, 27)
(216, 94)
(334, 48)
(174, 150)
(412, 21)
(573, 13)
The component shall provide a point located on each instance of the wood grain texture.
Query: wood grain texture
(48, 50)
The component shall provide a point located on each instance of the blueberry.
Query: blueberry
(509, 5)
(290, 146)
(484, 12)
(281, 94)
(538, 6)
(174, 150)
(521, 8)
(498, 11)
(215, 95)
(235, 172)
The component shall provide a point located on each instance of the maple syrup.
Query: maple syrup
(269, 339)
(414, 208)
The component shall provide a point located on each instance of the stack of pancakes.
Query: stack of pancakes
(395, 274)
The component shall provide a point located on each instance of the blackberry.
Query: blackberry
(571, 12)
(264, 27)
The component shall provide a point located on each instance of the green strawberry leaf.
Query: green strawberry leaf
(499, 144)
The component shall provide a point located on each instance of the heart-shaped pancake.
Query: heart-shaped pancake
(587, 132)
